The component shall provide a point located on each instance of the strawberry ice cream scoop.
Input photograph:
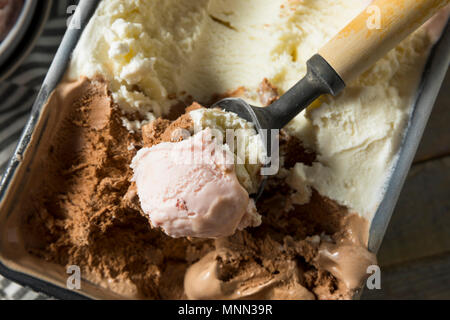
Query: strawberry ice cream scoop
(190, 188)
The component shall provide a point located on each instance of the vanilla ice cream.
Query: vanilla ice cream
(157, 53)
(190, 188)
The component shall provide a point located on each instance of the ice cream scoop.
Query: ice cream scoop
(365, 40)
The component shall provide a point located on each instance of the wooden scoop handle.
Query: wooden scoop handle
(375, 32)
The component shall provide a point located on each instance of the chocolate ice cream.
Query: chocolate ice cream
(86, 212)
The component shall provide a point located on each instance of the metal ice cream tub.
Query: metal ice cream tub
(17, 265)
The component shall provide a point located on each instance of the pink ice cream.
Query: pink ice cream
(190, 188)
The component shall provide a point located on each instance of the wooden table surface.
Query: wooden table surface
(415, 254)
